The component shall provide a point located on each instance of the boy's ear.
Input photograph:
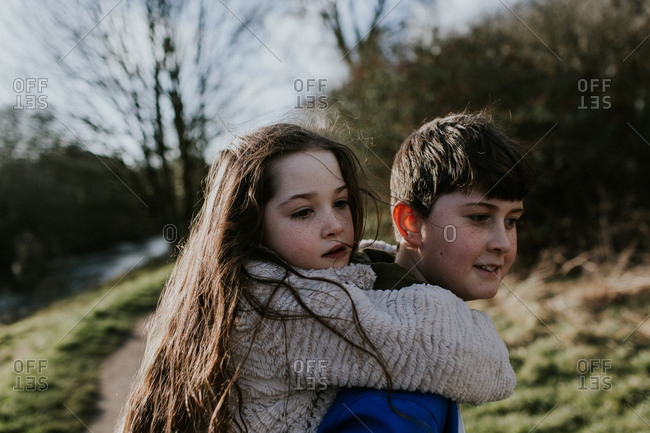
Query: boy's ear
(406, 221)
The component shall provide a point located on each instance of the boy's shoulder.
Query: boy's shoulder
(381, 257)
(391, 276)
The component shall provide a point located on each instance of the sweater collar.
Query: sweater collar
(358, 274)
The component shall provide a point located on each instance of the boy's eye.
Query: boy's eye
(302, 213)
(512, 222)
(479, 218)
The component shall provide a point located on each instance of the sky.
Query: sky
(295, 58)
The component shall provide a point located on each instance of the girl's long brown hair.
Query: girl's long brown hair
(186, 383)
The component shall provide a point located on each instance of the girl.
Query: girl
(263, 317)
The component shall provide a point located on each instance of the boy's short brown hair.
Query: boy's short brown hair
(460, 152)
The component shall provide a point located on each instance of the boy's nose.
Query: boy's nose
(500, 240)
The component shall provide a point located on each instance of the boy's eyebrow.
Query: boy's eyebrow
(308, 195)
(489, 206)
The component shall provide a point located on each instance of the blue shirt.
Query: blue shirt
(364, 410)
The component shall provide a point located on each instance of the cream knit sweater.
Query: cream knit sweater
(430, 339)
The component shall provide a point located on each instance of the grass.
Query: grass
(581, 352)
(49, 362)
(580, 348)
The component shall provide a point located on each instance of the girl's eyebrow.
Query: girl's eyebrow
(305, 196)
(309, 195)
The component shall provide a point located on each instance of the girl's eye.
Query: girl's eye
(302, 213)
(341, 203)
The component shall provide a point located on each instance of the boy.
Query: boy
(457, 187)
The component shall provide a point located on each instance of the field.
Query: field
(49, 362)
(580, 348)
(581, 351)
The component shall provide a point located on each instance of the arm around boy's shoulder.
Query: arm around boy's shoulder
(468, 361)
(428, 338)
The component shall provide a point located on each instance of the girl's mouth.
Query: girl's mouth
(336, 252)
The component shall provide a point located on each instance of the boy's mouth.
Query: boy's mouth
(487, 268)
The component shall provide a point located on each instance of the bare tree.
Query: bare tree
(363, 30)
(153, 74)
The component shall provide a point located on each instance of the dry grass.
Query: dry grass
(580, 347)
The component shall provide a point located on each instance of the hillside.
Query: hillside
(581, 350)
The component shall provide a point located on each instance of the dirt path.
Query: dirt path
(115, 381)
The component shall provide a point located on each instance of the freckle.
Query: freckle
(440, 252)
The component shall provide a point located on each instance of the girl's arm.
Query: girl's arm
(430, 340)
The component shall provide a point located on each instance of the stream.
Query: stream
(76, 273)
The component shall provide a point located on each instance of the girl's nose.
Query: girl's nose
(332, 226)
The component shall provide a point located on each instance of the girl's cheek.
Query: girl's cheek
(303, 238)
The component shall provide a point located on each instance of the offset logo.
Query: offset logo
(29, 374)
(30, 93)
(310, 375)
(593, 374)
(593, 94)
(309, 92)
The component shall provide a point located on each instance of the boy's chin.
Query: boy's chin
(474, 294)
